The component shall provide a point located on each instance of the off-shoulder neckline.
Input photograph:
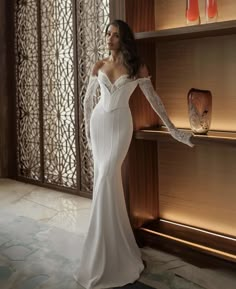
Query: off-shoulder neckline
(117, 80)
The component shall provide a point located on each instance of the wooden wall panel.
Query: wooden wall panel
(117, 10)
(206, 63)
(140, 14)
(141, 182)
(198, 186)
(7, 90)
(171, 13)
(142, 113)
(139, 171)
(140, 174)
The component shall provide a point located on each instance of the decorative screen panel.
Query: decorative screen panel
(27, 78)
(46, 89)
(58, 93)
(45, 92)
(93, 17)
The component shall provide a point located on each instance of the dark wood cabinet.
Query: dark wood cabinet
(174, 191)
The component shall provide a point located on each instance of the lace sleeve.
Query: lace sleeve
(156, 103)
(89, 105)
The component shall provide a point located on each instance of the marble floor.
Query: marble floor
(70, 214)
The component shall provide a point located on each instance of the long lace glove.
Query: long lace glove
(156, 103)
(89, 105)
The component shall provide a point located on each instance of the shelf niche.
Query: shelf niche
(167, 15)
(160, 15)
(180, 58)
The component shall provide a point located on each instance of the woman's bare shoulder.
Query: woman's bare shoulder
(97, 66)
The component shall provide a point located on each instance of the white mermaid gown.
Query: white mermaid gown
(111, 257)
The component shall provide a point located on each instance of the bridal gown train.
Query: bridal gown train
(110, 256)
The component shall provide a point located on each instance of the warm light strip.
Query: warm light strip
(231, 256)
(198, 136)
(159, 131)
(200, 230)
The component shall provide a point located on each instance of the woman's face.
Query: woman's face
(113, 38)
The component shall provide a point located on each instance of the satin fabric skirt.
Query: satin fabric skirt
(110, 257)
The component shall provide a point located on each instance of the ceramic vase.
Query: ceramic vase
(199, 109)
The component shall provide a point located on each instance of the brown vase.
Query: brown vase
(199, 109)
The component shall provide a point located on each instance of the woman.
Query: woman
(111, 257)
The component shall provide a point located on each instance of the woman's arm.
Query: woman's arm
(156, 103)
(89, 99)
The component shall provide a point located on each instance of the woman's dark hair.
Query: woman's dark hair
(127, 46)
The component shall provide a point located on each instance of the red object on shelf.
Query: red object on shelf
(192, 12)
(211, 10)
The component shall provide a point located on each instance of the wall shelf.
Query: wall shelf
(162, 134)
(205, 241)
(164, 179)
(202, 30)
